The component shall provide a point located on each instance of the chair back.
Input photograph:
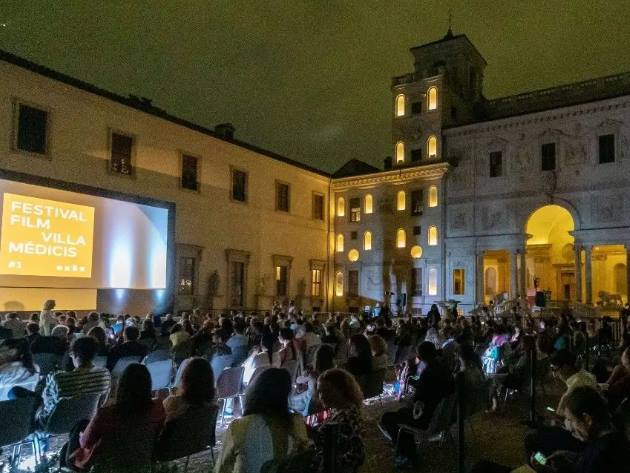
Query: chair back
(257, 372)
(239, 355)
(444, 415)
(100, 361)
(47, 362)
(372, 383)
(157, 355)
(291, 366)
(16, 418)
(219, 363)
(69, 411)
(128, 448)
(229, 382)
(161, 374)
(122, 363)
(180, 372)
(192, 432)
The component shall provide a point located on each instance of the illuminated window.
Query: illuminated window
(318, 206)
(433, 196)
(458, 281)
(400, 105)
(121, 153)
(401, 238)
(282, 280)
(367, 241)
(355, 209)
(433, 279)
(339, 284)
(432, 98)
(316, 282)
(340, 243)
(341, 207)
(400, 152)
(401, 200)
(367, 204)
(416, 251)
(353, 255)
(433, 235)
(432, 146)
(417, 203)
(187, 274)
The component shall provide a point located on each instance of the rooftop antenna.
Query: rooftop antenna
(449, 33)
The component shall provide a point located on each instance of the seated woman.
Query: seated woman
(378, 347)
(259, 357)
(147, 334)
(197, 389)
(513, 375)
(17, 368)
(619, 381)
(339, 392)
(120, 435)
(305, 400)
(287, 351)
(267, 431)
(360, 360)
(99, 334)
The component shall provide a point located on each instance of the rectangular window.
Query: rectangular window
(353, 235)
(316, 282)
(417, 203)
(606, 149)
(32, 130)
(417, 230)
(496, 164)
(186, 286)
(122, 149)
(239, 185)
(433, 281)
(416, 281)
(548, 154)
(416, 108)
(355, 209)
(416, 155)
(353, 283)
(282, 278)
(318, 207)
(190, 169)
(237, 284)
(282, 197)
(458, 281)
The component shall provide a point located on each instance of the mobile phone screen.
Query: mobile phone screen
(540, 458)
(550, 409)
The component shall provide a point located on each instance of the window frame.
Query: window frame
(193, 278)
(350, 289)
(132, 158)
(555, 156)
(437, 236)
(234, 169)
(417, 192)
(277, 186)
(404, 105)
(314, 196)
(183, 154)
(428, 147)
(614, 148)
(16, 102)
(400, 145)
(462, 280)
(437, 98)
(354, 214)
(491, 155)
(367, 240)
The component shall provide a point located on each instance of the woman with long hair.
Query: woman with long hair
(305, 400)
(197, 389)
(360, 360)
(267, 431)
(17, 369)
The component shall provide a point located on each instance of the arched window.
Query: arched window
(367, 241)
(433, 235)
(341, 207)
(621, 281)
(433, 281)
(432, 98)
(400, 105)
(401, 238)
(401, 200)
(339, 245)
(367, 204)
(339, 284)
(432, 146)
(491, 281)
(400, 152)
(433, 196)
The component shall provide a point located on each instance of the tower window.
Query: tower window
(367, 241)
(367, 204)
(432, 98)
(432, 146)
(239, 185)
(496, 164)
(400, 152)
(355, 209)
(417, 230)
(433, 236)
(606, 149)
(339, 246)
(433, 281)
(433, 196)
(401, 238)
(353, 283)
(548, 157)
(400, 105)
(416, 281)
(353, 235)
(283, 196)
(341, 207)
(401, 200)
(190, 171)
(339, 284)
(417, 204)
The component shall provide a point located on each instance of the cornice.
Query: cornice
(394, 176)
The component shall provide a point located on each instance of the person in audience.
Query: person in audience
(197, 389)
(434, 384)
(258, 358)
(514, 374)
(360, 360)
(310, 338)
(130, 347)
(618, 384)
(378, 346)
(167, 325)
(238, 343)
(133, 412)
(85, 378)
(62, 332)
(147, 334)
(202, 340)
(287, 351)
(180, 343)
(17, 369)
(32, 332)
(339, 391)
(102, 346)
(13, 323)
(47, 319)
(267, 431)
(91, 322)
(305, 400)
(57, 344)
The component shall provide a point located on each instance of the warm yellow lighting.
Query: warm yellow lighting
(401, 200)
(550, 224)
(433, 282)
(432, 98)
(400, 152)
(341, 207)
(416, 251)
(433, 235)
(432, 146)
(353, 255)
(278, 273)
(401, 238)
(367, 241)
(433, 196)
(367, 204)
(339, 246)
(339, 284)
(459, 282)
(400, 105)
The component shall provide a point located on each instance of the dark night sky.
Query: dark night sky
(308, 79)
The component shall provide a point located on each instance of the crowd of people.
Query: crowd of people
(305, 380)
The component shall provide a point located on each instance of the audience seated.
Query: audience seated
(129, 347)
(378, 347)
(360, 360)
(287, 352)
(17, 369)
(238, 343)
(304, 399)
(167, 325)
(99, 334)
(196, 390)
(15, 324)
(57, 344)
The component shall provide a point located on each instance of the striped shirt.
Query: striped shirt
(93, 380)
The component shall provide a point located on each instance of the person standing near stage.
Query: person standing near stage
(47, 319)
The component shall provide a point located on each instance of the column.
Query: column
(588, 249)
(578, 273)
(514, 274)
(628, 272)
(523, 275)
(479, 278)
